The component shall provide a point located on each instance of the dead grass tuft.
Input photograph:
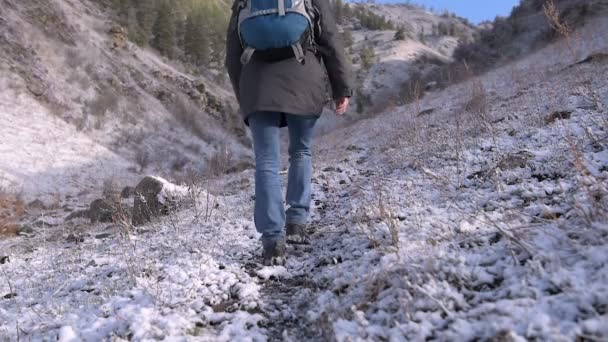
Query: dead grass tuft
(12, 209)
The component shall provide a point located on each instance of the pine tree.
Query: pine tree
(122, 8)
(196, 39)
(163, 30)
(218, 21)
(146, 17)
(134, 31)
(368, 56)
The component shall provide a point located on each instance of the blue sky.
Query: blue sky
(474, 10)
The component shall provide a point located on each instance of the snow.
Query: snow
(417, 233)
(272, 271)
(45, 156)
(170, 191)
(67, 334)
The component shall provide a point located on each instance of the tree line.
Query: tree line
(343, 12)
(189, 30)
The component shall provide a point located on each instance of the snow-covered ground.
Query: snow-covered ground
(43, 156)
(445, 226)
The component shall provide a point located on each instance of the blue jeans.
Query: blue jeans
(270, 215)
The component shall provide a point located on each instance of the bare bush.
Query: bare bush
(142, 158)
(106, 101)
(189, 115)
(219, 163)
(109, 189)
(12, 209)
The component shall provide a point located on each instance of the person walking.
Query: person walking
(279, 56)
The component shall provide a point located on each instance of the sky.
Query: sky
(474, 10)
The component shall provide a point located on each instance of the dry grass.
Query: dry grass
(378, 211)
(105, 102)
(12, 209)
(594, 190)
(220, 162)
(552, 14)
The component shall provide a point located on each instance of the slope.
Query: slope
(68, 71)
(484, 218)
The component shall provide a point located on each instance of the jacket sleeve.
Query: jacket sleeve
(331, 48)
(234, 51)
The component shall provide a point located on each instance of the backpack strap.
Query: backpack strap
(281, 7)
(298, 52)
(247, 54)
(315, 17)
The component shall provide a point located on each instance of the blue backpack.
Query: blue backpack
(276, 29)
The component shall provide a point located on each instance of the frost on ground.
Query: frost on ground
(485, 219)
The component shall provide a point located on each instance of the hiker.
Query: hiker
(279, 54)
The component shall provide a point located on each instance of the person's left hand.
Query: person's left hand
(342, 105)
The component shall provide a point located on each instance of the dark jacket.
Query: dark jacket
(288, 86)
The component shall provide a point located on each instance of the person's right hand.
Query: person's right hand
(342, 105)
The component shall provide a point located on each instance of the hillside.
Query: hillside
(385, 66)
(72, 83)
(468, 222)
(439, 49)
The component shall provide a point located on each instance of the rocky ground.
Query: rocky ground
(478, 213)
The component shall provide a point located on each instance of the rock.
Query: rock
(506, 336)
(155, 197)
(194, 94)
(200, 86)
(426, 111)
(354, 148)
(214, 102)
(431, 86)
(164, 95)
(72, 238)
(36, 204)
(332, 169)
(127, 192)
(37, 88)
(4, 259)
(597, 57)
(25, 230)
(103, 236)
(558, 115)
(78, 214)
(119, 37)
(102, 210)
(514, 161)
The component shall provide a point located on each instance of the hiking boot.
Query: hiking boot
(274, 253)
(296, 234)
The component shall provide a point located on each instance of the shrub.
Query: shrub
(400, 34)
(12, 208)
(362, 101)
(367, 57)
